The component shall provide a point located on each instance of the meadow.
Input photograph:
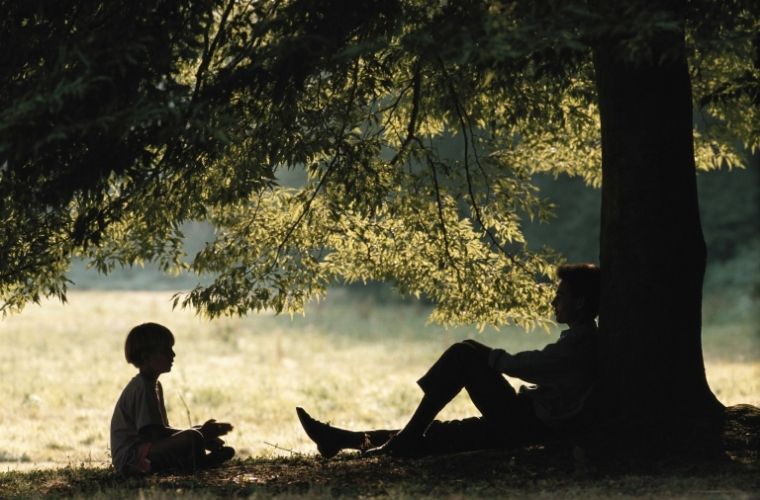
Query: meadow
(350, 359)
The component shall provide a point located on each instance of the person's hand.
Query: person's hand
(213, 443)
(211, 429)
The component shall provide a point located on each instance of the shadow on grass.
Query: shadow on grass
(528, 472)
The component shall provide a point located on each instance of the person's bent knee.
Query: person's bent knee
(194, 444)
(192, 437)
(457, 349)
(467, 349)
(183, 449)
(468, 353)
(478, 346)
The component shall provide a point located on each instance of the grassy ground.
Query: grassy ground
(530, 473)
(349, 360)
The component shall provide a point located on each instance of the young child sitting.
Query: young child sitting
(141, 439)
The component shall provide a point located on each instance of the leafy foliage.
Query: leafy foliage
(90, 104)
(119, 123)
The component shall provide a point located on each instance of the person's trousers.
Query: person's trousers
(507, 418)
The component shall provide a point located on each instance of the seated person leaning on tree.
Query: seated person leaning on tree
(564, 374)
(141, 439)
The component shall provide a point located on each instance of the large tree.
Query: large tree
(120, 122)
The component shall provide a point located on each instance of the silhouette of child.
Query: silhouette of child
(141, 439)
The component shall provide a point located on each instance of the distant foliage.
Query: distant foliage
(120, 122)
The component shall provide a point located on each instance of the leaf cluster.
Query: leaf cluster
(418, 124)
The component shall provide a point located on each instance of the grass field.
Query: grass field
(348, 360)
(351, 361)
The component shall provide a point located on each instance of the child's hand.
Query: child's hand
(213, 444)
(212, 428)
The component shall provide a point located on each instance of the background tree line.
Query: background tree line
(729, 202)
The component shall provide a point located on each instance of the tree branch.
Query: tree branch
(251, 43)
(461, 115)
(412, 126)
(209, 49)
(442, 219)
(328, 171)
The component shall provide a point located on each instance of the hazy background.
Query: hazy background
(729, 203)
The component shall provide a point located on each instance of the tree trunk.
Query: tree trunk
(652, 250)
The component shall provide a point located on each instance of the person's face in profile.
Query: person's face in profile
(160, 361)
(566, 306)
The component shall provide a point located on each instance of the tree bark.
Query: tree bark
(652, 250)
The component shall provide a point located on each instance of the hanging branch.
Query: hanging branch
(253, 42)
(306, 208)
(328, 171)
(463, 120)
(486, 179)
(210, 48)
(392, 106)
(442, 219)
(412, 126)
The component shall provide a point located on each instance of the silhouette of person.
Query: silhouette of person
(563, 374)
(141, 439)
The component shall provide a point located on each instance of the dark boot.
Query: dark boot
(409, 441)
(330, 440)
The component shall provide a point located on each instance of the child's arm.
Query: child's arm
(210, 429)
(155, 432)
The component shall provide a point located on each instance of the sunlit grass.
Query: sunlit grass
(348, 360)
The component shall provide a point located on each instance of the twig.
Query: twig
(328, 171)
(252, 43)
(209, 49)
(441, 217)
(486, 179)
(412, 126)
(277, 447)
(461, 115)
(187, 410)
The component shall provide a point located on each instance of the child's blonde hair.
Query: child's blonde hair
(144, 340)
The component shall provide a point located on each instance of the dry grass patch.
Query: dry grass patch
(351, 362)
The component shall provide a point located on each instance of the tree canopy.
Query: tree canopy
(419, 124)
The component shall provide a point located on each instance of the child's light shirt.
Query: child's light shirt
(141, 404)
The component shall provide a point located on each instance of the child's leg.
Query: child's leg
(182, 450)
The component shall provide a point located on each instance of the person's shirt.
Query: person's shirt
(563, 372)
(141, 404)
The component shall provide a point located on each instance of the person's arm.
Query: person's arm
(155, 432)
(149, 420)
(532, 366)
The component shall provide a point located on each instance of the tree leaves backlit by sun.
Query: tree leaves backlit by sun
(419, 126)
